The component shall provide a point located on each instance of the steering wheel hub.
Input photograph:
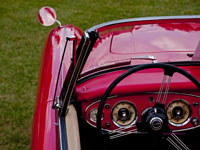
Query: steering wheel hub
(154, 120)
(156, 123)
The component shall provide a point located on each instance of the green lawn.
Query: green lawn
(21, 42)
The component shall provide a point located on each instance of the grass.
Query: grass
(21, 42)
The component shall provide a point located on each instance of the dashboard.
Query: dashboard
(182, 109)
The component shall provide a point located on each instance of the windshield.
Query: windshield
(142, 42)
(152, 38)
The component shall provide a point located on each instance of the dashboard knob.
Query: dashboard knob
(195, 121)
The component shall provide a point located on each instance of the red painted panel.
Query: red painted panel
(45, 132)
(144, 81)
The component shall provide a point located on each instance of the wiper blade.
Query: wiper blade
(119, 63)
(107, 65)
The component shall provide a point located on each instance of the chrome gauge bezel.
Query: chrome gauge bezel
(189, 116)
(133, 122)
(96, 112)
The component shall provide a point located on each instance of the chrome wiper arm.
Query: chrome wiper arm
(146, 57)
(123, 62)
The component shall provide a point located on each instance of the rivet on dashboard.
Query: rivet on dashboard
(196, 104)
(107, 106)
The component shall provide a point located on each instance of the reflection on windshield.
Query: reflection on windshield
(167, 42)
(157, 38)
(196, 56)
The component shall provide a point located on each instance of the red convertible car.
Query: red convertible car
(125, 84)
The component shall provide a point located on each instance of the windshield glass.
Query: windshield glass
(143, 42)
(157, 38)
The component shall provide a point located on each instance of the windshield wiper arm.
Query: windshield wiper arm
(120, 63)
(146, 57)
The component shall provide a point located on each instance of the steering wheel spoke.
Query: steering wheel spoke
(121, 132)
(164, 89)
(174, 140)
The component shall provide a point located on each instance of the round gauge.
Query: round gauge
(178, 112)
(93, 115)
(124, 113)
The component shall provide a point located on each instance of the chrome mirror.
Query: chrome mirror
(47, 16)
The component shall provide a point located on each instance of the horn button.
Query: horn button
(153, 119)
(156, 123)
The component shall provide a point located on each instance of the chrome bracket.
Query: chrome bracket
(58, 103)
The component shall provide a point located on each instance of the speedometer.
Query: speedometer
(178, 112)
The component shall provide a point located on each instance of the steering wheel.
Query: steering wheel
(155, 120)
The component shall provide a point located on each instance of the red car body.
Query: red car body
(122, 44)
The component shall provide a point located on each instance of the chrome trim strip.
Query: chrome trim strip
(186, 129)
(110, 23)
(91, 105)
(60, 133)
(177, 93)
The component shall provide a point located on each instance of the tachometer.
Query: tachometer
(124, 113)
